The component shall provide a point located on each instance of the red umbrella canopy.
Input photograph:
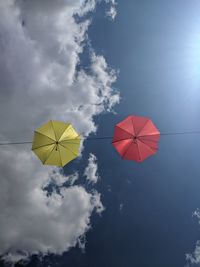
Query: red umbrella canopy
(136, 138)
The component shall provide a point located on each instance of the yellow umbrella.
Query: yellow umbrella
(56, 143)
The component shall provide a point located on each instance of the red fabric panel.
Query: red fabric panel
(132, 152)
(149, 129)
(139, 123)
(122, 146)
(127, 125)
(121, 134)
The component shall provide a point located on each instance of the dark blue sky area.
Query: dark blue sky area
(156, 47)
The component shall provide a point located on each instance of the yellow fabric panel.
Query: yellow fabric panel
(71, 146)
(66, 155)
(59, 128)
(40, 140)
(54, 158)
(43, 152)
(47, 129)
(76, 140)
(69, 133)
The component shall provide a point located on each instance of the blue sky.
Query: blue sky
(154, 46)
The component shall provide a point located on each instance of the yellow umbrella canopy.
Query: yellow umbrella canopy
(56, 143)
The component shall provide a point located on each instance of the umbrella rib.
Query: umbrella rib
(78, 137)
(69, 150)
(153, 141)
(48, 155)
(133, 126)
(53, 130)
(143, 126)
(147, 138)
(124, 130)
(69, 140)
(65, 130)
(43, 146)
(126, 151)
(149, 134)
(139, 152)
(60, 156)
(69, 143)
(44, 135)
(121, 140)
(149, 145)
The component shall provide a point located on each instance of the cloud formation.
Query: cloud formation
(112, 12)
(40, 44)
(33, 221)
(91, 170)
(193, 259)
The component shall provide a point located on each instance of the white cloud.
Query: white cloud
(33, 222)
(196, 214)
(38, 73)
(58, 178)
(91, 170)
(40, 44)
(112, 12)
(194, 258)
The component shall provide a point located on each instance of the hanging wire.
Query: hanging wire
(179, 133)
(14, 143)
(98, 138)
(28, 142)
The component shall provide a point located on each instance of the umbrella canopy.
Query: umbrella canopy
(136, 138)
(56, 143)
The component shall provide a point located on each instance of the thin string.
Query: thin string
(97, 138)
(179, 133)
(28, 142)
(14, 143)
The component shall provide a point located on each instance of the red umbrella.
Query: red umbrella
(136, 138)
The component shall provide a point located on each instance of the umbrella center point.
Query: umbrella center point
(56, 142)
(135, 139)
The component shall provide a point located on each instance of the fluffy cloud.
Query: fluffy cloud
(112, 12)
(33, 221)
(40, 44)
(91, 169)
(194, 258)
(38, 71)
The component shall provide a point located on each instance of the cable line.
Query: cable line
(14, 143)
(180, 133)
(97, 138)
